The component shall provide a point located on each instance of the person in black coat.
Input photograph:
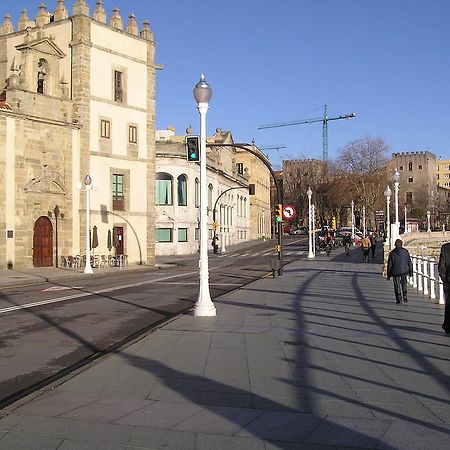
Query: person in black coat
(399, 267)
(444, 273)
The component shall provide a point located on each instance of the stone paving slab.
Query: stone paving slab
(320, 358)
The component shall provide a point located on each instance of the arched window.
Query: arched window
(163, 188)
(410, 166)
(197, 193)
(182, 190)
(210, 201)
(41, 74)
(245, 207)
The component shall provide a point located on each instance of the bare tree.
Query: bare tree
(364, 162)
(298, 176)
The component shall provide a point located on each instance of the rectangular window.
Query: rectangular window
(163, 235)
(409, 198)
(240, 168)
(117, 191)
(401, 167)
(420, 167)
(410, 180)
(182, 234)
(132, 134)
(197, 234)
(118, 86)
(105, 128)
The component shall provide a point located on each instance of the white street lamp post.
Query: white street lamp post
(88, 181)
(204, 305)
(396, 228)
(223, 248)
(364, 220)
(353, 221)
(406, 223)
(387, 194)
(429, 221)
(310, 225)
(313, 209)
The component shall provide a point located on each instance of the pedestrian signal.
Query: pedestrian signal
(279, 212)
(192, 148)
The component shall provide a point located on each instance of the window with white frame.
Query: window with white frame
(164, 188)
(163, 235)
(118, 198)
(210, 197)
(182, 234)
(105, 128)
(132, 134)
(182, 190)
(197, 193)
(118, 86)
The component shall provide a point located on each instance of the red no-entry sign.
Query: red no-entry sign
(289, 212)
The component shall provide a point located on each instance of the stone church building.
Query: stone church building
(77, 98)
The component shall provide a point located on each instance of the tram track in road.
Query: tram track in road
(58, 333)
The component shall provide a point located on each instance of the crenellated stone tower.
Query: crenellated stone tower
(77, 97)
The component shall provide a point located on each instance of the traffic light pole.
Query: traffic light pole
(279, 194)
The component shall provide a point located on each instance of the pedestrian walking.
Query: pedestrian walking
(365, 245)
(348, 241)
(373, 244)
(399, 267)
(214, 243)
(444, 273)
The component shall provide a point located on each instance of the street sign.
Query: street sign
(289, 212)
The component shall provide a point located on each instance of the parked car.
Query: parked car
(301, 230)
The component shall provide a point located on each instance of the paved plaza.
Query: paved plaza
(320, 358)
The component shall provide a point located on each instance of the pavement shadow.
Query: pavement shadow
(276, 423)
(304, 314)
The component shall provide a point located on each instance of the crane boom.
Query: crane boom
(325, 119)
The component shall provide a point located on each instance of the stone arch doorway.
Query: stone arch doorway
(43, 243)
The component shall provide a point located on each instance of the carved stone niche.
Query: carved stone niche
(40, 61)
(50, 180)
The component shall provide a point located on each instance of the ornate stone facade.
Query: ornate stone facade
(72, 83)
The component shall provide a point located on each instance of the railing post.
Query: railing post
(425, 276)
(432, 280)
(419, 274)
(414, 277)
(441, 300)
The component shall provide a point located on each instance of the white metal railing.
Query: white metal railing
(426, 278)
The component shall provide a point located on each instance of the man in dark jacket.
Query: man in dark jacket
(444, 273)
(399, 267)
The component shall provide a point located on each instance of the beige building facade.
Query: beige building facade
(260, 177)
(74, 105)
(443, 173)
(178, 196)
(234, 215)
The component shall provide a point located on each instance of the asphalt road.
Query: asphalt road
(48, 330)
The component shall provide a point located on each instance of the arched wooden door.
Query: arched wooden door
(43, 243)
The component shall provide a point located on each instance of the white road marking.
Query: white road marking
(61, 288)
(87, 294)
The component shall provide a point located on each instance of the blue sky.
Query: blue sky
(279, 60)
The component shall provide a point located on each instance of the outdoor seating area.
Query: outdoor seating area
(77, 261)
